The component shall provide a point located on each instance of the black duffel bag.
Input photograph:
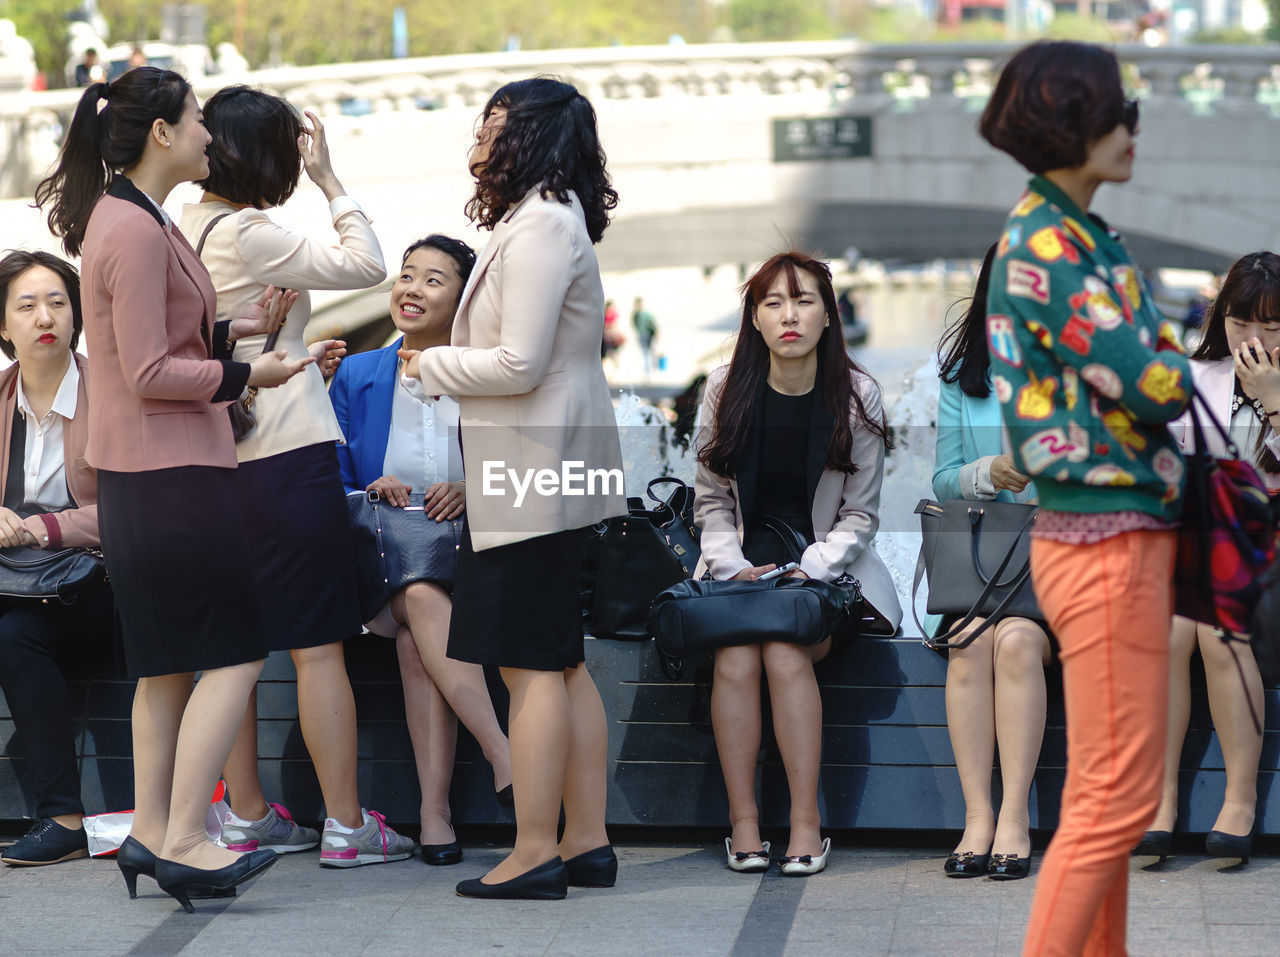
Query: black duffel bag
(695, 616)
(634, 556)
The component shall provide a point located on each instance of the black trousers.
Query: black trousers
(35, 640)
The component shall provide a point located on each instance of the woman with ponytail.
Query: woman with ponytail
(161, 440)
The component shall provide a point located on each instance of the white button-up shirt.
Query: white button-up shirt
(44, 471)
(422, 446)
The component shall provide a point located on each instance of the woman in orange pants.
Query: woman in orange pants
(1088, 379)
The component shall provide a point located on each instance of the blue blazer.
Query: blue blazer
(361, 393)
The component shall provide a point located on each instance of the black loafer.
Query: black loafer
(1009, 867)
(442, 855)
(546, 882)
(966, 864)
(48, 842)
(594, 868)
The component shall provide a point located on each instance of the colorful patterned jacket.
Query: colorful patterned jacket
(1087, 371)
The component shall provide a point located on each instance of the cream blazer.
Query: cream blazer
(524, 364)
(245, 253)
(845, 511)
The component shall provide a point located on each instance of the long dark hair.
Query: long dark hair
(18, 261)
(750, 365)
(550, 141)
(963, 354)
(1251, 291)
(100, 144)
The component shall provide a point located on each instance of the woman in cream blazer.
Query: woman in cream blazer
(542, 463)
(792, 430)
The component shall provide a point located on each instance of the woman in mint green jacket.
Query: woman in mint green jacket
(995, 686)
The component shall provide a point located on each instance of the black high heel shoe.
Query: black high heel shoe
(1155, 844)
(507, 796)
(182, 882)
(546, 882)
(134, 859)
(1222, 844)
(442, 855)
(594, 868)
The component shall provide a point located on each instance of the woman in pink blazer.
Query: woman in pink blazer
(161, 440)
(524, 365)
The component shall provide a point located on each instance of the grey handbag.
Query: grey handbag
(61, 573)
(397, 546)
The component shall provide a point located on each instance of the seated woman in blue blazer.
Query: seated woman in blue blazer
(399, 440)
(995, 687)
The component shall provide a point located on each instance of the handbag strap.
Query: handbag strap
(270, 344)
(975, 525)
(1196, 408)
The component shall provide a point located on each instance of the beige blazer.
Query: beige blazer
(245, 253)
(76, 526)
(524, 364)
(846, 511)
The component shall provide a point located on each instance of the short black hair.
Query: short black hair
(1052, 102)
(254, 157)
(18, 261)
(463, 256)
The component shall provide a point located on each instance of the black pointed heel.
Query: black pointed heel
(442, 855)
(134, 859)
(1155, 844)
(594, 868)
(1222, 844)
(182, 882)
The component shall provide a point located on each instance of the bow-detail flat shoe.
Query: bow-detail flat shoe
(746, 861)
(803, 865)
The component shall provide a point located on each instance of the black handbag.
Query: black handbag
(632, 557)
(61, 573)
(695, 616)
(962, 541)
(398, 546)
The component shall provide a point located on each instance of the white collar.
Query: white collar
(64, 401)
(168, 222)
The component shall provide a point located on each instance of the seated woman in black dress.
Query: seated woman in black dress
(791, 429)
(49, 497)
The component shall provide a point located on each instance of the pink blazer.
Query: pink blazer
(74, 526)
(159, 400)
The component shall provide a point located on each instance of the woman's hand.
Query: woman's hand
(751, 574)
(14, 531)
(796, 573)
(393, 491)
(328, 354)
(1259, 373)
(445, 500)
(410, 357)
(1004, 475)
(266, 315)
(315, 158)
(275, 368)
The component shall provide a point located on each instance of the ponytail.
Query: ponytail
(101, 143)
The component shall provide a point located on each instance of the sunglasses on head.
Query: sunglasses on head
(1129, 116)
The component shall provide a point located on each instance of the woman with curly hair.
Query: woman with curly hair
(524, 364)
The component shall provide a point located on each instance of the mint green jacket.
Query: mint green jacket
(1087, 371)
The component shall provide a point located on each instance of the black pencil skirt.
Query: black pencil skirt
(179, 565)
(516, 606)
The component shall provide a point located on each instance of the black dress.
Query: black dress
(780, 490)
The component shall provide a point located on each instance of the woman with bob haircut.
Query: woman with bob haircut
(1236, 368)
(524, 364)
(291, 486)
(1089, 376)
(792, 429)
(161, 440)
(47, 500)
(995, 686)
(398, 441)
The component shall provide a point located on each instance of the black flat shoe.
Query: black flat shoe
(1155, 844)
(134, 859)
(441, 855)
(1009, 867)
(507, 796)
(546, 882)
(48, 842)
(180, 881)
(966, 864)
(596, 868)
(1222, 844)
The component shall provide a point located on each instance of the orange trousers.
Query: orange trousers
(1110, 605)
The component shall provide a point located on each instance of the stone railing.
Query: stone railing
(846, 73)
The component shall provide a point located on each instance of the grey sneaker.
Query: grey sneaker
(275, 832)
(371, 843)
